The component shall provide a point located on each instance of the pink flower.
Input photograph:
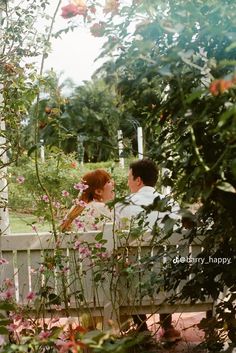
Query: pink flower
(45, 198)
(20, 179)
(44, 335)
(41, 269)
(8, 282)
(8, 294)
(65, 269)
(12, 327)
(3, 261)
(65, 193)
(56, 204)
(80, 186)
(31, 296)
(98, 245)
(34, 228)
(80, 202)
(15, 316)
(103, 255)
(79, 224)
(77, 244)
(83, 250)
(94, 226)
(26, 324)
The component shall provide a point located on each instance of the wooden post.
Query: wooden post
(140, 142)
(121, 148)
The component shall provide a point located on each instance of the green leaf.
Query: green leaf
(191, 97)
(227, 187)
(99, 236)
(226, 116)
(5, 322)
(7, 306)
(3, 330)
(33, 148)
(54, 299)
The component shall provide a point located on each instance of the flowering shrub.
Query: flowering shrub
(72, 10)
(77, 280)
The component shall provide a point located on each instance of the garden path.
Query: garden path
(192, 336)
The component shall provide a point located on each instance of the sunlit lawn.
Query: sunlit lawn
(22, 223)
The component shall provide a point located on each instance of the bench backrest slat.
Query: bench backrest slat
(30, 254)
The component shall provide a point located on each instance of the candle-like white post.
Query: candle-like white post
(42, 151)
(140, 142)
(121, 149)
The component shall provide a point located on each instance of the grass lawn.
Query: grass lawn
(22, 223)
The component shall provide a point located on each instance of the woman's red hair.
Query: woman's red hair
(94, 180)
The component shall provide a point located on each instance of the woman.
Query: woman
(91, 211)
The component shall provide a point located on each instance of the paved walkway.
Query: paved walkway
(191, 335)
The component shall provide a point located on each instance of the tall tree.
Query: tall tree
(174, 64)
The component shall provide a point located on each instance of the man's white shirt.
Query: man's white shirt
(133, 208)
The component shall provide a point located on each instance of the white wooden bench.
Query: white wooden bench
(119, 287)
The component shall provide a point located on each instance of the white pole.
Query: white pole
(165, 190)
(42, 151)
(140, 142)
(121, 148)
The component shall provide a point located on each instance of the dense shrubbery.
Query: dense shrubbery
(58, 173)
(176, 77)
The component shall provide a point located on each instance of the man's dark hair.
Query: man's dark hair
(146, 170)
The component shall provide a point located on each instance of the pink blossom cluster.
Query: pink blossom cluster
(65, 193)
(45, 198)
(82, 248)
(79, 224)
(79, 203)
(9, 290)
(3, 261)
(80, 186)
(20, 179)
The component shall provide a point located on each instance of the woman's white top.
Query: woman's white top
(93, 217)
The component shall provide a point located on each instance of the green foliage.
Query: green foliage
(58, 173)
(88, 117)
(176, 75)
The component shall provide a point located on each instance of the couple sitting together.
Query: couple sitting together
(92, 212)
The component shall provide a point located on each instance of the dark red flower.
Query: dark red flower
(92, 9)
(69, 11)
(97, 29)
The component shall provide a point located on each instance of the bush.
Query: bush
(57, 174)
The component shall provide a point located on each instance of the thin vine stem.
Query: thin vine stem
(36, 136)
(196, 150)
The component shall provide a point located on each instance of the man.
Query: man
(142, 179)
